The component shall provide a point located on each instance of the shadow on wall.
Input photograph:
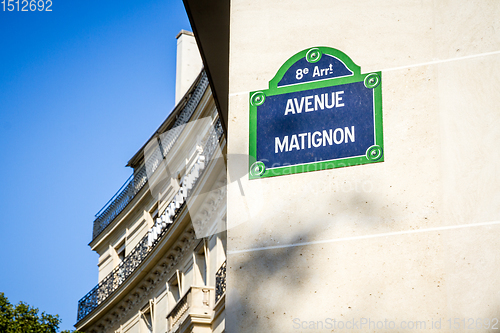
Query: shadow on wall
(381, 277)
(280, 268)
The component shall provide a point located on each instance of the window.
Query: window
(175, 287)
(146, 325)
(200, 259)
(120, 251)
(154, 213)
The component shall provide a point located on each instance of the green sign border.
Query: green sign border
(374, 154)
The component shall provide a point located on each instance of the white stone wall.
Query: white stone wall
(413, 238)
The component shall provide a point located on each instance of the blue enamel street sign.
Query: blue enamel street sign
(319, 113)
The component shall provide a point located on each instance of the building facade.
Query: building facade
(406, 243)
(161, 239)
(402, 245)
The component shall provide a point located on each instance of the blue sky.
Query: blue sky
(81, 89)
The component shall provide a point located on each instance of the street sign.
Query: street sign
(319, 113)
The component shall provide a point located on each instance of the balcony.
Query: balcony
(195, 304)
(133, 260)
(137, 181)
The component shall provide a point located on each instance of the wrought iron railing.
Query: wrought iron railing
(116, 278)
(137, 181)
(220, 282)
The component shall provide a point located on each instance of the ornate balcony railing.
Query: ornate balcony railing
(137, 181)
(220, 282)
(179, 309)
(118, 276)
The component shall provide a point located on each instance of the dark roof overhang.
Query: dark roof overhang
(210, 23)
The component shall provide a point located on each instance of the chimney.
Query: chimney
(189, 63)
